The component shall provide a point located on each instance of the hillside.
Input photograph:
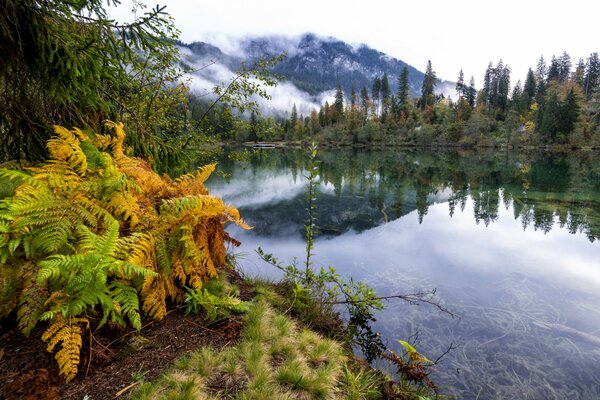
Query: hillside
(314, 65)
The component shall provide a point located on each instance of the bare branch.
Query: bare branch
(416, 299)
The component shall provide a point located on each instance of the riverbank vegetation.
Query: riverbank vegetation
(555, 106)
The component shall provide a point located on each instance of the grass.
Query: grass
(274, 359)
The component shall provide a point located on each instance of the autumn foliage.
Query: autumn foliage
(94, 235)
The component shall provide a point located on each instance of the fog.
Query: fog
(209, 72)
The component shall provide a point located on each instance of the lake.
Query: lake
(509, 241)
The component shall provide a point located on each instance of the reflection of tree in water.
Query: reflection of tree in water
(371, 187)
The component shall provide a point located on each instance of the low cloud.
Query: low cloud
(208, 73)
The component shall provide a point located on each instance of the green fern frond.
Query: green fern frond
(60, 266)
(105, 244)
(127, 297)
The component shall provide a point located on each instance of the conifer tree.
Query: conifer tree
(554, 70)
(592, 72)
(472, 92)
(294, 116)
(529, 90)
(564, 67)
(461, 88)
(339, 104)
(385, 96)
(403, 90)
(428, 87)
(364, 103)
(376, 93)
(579, 73)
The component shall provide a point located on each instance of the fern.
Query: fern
(67, 332)
(93, 232)
(213, 306)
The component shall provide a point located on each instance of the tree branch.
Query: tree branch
(411, 298)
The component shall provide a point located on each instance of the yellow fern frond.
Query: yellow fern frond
(177, 268)
(118, 150)
(216, 236)
(142, 251)
(103, 142)
(81, 135)
(68, 333)
(206, 262)
(154, 298)
(193, 184)
(195, 282)
(66, 147)
(233, 215)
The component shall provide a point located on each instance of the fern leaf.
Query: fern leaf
(154, 298)
(32, 299)
(65, 147)
(67, 332)
(128, 300)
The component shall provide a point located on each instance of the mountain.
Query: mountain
(314, 65)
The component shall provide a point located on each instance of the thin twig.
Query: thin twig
(412, 298)
(448, 350)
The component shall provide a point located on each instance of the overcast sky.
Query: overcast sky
(465, 34)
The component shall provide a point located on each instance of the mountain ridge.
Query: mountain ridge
(314, 64)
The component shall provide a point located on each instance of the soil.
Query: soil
(112, 361)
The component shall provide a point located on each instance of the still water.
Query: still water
(510, 242)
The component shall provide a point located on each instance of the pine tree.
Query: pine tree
(339, 104)
(579, 74)
(487, 86)
(461, 88)
(472, 92)
(385, 96)
(516, 97)
(592, 72)
(403, 90)
(569, 112)
(253, 128)
(376, 93)
(541, 70)
(554, 70)
(564, 67)
(364, 103)
(529, 90)
(294, 116)
(428, 87)
(550, 115)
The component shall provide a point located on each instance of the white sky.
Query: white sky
(465, 34)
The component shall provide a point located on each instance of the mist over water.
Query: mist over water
(509, 241)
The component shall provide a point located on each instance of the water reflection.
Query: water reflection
(507, 239)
